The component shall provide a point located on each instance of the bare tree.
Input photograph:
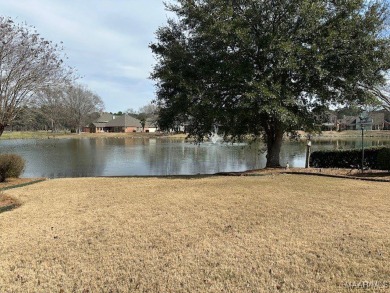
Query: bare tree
(80, 103)
(148, 114)
(131, 111)
(50, 104)
(149, 109)
(28, 63)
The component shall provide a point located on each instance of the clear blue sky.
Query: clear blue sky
(105, 40)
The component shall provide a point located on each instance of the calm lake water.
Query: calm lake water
(54, 158)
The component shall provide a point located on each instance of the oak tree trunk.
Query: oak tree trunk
(274, 139)
(2, 126)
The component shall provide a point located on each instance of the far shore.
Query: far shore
(66, 135)
(352, 133)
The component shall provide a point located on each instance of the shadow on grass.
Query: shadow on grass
(9, 207)
(373, 175)
(201, 176)
(193, 176)
(8, 203)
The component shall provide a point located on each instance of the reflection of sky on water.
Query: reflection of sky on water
(185, 158)
(130, 156)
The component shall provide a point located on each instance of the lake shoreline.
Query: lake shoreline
(344, 134)
(10, 135)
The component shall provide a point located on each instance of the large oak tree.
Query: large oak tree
(383, 94)
(261, 68)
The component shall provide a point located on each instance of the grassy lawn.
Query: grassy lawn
(31, 134)
(349, 134)
(49, 135)
(282, 233)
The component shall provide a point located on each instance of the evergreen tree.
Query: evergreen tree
(262, 68)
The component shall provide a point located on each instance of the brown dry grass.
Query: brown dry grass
(16, 181)
(282, 233)
(373, 175)
(59, 135)
(7, 202)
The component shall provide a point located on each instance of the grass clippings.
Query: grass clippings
(277, 233)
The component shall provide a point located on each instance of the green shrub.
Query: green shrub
(383, 159)
(11, 166)
(374, 158)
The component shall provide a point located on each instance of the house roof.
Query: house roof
(99, 124)
(105, 117)
(124, 121)
(348, 120)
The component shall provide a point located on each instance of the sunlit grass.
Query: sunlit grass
(286, 233)
(31, 134)
(350, 134)
(66, 134)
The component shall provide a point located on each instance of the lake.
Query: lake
(54, 158)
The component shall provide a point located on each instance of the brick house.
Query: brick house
(347, 123)
(378, 120)
(124, 123)
(99, 125)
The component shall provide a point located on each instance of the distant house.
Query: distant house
(387, 125)
(330, 122)
(375, 121)
(378, 120)
(150, 125)
(347, 123)
(124, 123)
(100, 124)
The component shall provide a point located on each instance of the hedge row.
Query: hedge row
(374, 158)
